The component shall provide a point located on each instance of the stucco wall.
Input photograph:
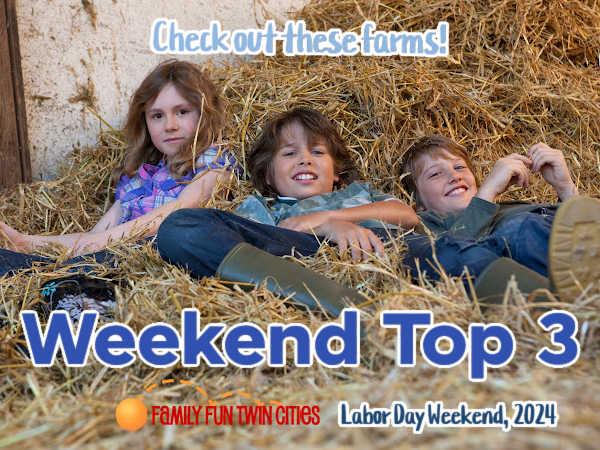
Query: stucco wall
(83, 52)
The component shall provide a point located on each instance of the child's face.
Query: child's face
(300, 168)
(445, 184)
(171, 121)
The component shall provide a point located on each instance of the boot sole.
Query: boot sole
(574, 247)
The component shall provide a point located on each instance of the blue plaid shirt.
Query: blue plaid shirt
(153, 186)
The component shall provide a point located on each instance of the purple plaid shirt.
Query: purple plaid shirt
(153, 186)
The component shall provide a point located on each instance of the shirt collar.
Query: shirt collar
(287, 200)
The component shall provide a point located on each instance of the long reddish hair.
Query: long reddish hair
(193, 84)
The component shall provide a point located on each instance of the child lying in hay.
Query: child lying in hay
(175, 110)
(299, 159)
(474, 232)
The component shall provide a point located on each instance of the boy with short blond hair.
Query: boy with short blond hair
(473, 229)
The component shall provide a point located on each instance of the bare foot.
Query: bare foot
(12, 239)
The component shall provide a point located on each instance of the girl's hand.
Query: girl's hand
(306, 223)
(13, 239)
(551, 164)
(512, 169)
(361, 241)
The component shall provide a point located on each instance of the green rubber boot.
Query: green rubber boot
(491, 283)
(247, 264)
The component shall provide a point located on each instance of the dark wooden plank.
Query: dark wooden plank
(14, 154)
(10, 164)
(18, 89)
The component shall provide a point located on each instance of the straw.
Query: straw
(519, 72)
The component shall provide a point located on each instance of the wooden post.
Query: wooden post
(15, 165)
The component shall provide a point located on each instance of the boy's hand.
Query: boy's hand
(551, 164)
(512, 169)
(361, 241)
(306, 223)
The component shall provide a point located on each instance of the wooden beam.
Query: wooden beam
(15, 165)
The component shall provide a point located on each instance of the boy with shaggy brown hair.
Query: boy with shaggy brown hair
(306, 193)
(497, 240)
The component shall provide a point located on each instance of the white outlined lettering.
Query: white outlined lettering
(296, 40)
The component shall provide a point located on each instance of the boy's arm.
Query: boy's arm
(481, 211)
(512, 169)
(340, 226)
(390, 211)
(474, 219)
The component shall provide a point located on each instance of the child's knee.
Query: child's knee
(170, 224)
(177, 229)
(538, 224)
(524, 226)
(188, 218)
(455, 255)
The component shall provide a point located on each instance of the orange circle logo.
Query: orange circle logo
(131, 414)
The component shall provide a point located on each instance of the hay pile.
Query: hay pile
(519, 72)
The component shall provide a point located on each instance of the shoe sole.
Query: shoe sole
(574, 247)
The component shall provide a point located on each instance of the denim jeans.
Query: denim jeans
(198, 239)
(523, 237)
(10, 261)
